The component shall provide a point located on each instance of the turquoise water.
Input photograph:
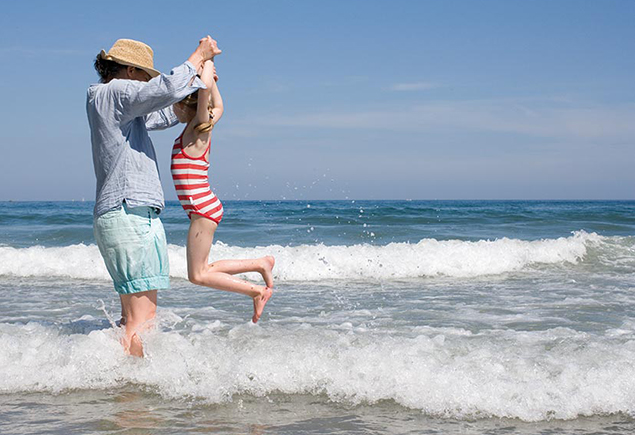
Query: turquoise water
(250, 223)
(388, 317)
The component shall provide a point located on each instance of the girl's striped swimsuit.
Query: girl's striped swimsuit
(192, 184)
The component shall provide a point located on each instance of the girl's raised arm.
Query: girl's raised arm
(202, 108)
(216, 100)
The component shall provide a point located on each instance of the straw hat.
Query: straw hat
(132, 53)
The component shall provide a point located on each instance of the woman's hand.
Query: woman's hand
(209, 48)
(206, 50)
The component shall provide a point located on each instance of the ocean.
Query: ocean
(388, 317)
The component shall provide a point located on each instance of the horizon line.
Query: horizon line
(354, 199)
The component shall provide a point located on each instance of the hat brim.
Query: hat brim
(153, 72)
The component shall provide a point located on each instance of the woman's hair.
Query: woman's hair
(107, 69)
(191, 102)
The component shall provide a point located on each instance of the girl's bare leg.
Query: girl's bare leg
(218, 275)
(262, 265)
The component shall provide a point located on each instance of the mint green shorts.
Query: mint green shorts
(133, 245)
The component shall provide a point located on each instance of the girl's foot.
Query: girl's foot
(260, 302)
(267, 264)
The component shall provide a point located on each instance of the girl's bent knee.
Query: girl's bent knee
(195, 278)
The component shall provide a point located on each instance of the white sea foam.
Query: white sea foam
(532, 376)
(428, 257)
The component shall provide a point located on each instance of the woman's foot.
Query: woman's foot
(260, 302)
(267, 264)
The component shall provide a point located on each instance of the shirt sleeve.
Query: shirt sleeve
(161, 119)
(142, 98)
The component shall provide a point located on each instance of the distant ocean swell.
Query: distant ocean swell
(427, 258)
(533, 376)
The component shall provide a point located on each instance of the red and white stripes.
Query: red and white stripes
(192, 184)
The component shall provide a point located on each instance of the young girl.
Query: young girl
(190, 162)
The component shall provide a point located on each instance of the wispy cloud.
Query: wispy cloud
(275, 85)
(39, 52)
(409, 87)
(546, 118)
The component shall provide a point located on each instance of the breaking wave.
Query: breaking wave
(427, 258)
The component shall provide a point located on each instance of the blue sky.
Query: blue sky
(345, 99)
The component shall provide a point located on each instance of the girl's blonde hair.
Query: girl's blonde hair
(191, 102)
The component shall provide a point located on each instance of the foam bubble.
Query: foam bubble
(428, 257)
(532, 376)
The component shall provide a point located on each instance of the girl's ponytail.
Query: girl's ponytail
(206, 127)
(191, 101)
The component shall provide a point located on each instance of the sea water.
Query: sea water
(468, 317)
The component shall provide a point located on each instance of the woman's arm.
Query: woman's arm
(139, 98)
(161, 119)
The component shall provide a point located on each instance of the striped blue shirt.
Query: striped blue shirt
(120, 113)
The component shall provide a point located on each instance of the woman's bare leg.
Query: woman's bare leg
(138, 309)
(218, 275)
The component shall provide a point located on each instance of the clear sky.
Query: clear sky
(347, 98)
